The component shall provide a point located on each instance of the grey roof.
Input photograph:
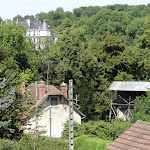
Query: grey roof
(129, 86)
(44, 26)
(33, 24)
(24, 22)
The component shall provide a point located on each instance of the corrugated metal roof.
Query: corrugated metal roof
(129, 86)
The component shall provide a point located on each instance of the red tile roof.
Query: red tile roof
(137, 137)
(50, 90)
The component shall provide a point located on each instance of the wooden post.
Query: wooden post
(128, 112)
(110, 112)
(71, 135)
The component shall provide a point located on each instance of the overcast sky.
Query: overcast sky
(11, 8)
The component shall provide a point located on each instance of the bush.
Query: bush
(28, 143)
(100, 129)
(6, 144)
(42, 143)
(142, 108)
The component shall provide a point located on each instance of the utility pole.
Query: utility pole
(71, 135)
(48, 63)
(50, 113)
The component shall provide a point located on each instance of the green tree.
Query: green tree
(18, 17)
(145, 38)
(16, 52)
(31, 17)
(142, 108)
(5, 102)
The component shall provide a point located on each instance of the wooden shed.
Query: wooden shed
(127, 91)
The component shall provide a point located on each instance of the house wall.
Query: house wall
(59, 115)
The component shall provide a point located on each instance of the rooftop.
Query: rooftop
(33, 24)
(129, 86)
(137, 137)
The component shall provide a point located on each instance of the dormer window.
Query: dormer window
(54, 101)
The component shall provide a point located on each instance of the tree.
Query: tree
(31, 17)
(17, 58)
(145, 38)
(5, 102)
(16, 52)
(18, 17)
(142, 108)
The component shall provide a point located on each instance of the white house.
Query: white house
(55, 111)
(39, 32)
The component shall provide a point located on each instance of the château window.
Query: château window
(54, 101)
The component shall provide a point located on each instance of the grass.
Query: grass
(43, 143)
(85, 142)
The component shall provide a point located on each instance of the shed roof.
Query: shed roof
(137, 137)
(129, 86)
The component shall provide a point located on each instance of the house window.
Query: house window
(53, 101)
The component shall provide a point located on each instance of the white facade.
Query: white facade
(39, 33)
(53, 117)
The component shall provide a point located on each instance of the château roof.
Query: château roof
(33, 24)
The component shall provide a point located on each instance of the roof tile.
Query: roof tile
(137, 137)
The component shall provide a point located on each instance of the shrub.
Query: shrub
(100, 129)
(41, 143)
(142, 108)
(6, 144)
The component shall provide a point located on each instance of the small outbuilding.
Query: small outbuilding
(127, 91)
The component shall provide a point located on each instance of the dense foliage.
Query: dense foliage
(43, 143)
(100, 129)
(94, 49)
(96, 46)
(16, 56)
(141, 110)
(5, 102)
(27, 143)
(90, 135)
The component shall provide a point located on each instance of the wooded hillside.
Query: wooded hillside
(96, 46)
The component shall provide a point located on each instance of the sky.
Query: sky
(11, 8)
